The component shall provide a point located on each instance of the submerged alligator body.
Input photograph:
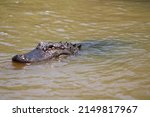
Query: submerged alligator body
(47, 50)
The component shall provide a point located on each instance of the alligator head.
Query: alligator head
(47, 50)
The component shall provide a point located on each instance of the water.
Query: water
(114, 62)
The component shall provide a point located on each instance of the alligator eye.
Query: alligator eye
(50, 46)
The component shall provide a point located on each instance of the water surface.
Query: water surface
(114, 62)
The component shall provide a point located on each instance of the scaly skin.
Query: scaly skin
(47, 50)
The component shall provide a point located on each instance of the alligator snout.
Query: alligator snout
(19, 58)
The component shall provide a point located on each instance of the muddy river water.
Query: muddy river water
(114, 62)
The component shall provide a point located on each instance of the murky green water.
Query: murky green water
(114, 62)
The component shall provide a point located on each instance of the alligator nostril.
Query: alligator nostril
(22, 56)
(16, 58)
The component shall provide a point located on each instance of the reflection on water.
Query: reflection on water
(114, 60)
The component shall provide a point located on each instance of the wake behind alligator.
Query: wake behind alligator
(46, 51)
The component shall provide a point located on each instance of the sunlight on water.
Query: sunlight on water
(114, 61)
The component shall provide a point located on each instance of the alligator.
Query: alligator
(46, 51)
